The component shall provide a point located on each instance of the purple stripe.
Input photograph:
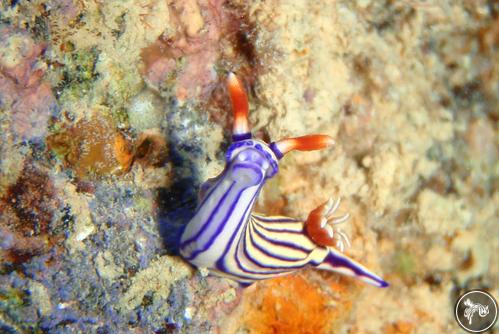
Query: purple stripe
(221, 265)
(276, 151)
(210, 184)
(220, 228)
(224, 220)
(266, 219)
(259, 223)
(240, 266)
(268, 253)
(220, 262)
(337, 261)
(210, 219)
(217, 180)
(242, 136)
(263, 266)
(245, 252)
(283, 243)
(240, 280)
(244, 284)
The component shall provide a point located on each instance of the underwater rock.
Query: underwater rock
(207, 33)
(438, 214)
(146, 111)
(89, 216)
(187, 57)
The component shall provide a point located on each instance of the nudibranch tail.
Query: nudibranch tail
(337, 262)
(240, 108)
(304, 143)
(225, 236)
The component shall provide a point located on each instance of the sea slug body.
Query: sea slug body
(230, 240)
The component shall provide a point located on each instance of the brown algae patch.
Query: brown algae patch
(26, 212)
(92, 148)
(24, 94)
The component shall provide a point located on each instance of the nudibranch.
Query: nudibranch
(230, 240)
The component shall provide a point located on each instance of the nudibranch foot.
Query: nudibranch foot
(320, 225)
(226, 237)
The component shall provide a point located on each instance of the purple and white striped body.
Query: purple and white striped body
(230, 240)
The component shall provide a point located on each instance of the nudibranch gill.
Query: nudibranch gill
(230, 240)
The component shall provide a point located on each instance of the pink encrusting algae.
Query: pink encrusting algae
(22, 88)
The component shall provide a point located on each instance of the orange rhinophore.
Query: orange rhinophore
(304, 143)
(240, 107)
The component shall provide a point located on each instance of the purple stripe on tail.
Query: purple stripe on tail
(335, 261)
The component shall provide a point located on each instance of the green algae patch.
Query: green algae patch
(14, 304)
(78, 74)
(405, 263)
(407, 266)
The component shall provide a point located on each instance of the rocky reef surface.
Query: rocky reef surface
(112, 113)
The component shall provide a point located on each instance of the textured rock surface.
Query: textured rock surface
(113, 112)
